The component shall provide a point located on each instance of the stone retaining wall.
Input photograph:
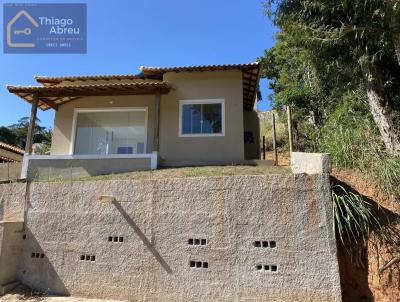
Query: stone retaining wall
(233, 238)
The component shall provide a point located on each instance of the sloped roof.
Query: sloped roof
(56, 80)
(149, 69)
(53, 93)
(250, 75)
(53, 96)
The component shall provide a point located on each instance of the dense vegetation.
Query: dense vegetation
(15, 135)
(337, 63)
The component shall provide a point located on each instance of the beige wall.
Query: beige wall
(10, 171)
(11, 155)
(62, 133)
(174, 150)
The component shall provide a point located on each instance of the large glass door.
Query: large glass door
(111, 132)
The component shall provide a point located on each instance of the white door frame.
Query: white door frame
(106, 109)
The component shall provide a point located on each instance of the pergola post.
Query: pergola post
(32, 122)
(289, 121)
(157, 122)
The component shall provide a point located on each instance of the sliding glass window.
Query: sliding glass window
(201, 118)
(111, 132)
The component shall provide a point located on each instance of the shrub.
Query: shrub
(353, 217)
(350, 136)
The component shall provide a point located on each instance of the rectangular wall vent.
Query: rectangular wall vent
(88, 258)
(265, 244)
(37, 255)
(267, 267)
(198, 264)
(116, 239)
(197, 241)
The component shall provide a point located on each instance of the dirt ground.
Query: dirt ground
(283, 157)
(22, 293)
(360, 276)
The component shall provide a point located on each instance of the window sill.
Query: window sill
(203, 135)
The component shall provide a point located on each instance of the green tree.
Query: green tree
(20, 131)
(326, 48)
(7, 136)
(15, 134)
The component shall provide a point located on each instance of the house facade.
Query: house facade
(174, 116)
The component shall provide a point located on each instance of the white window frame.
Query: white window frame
(201, 102)
(106, 109)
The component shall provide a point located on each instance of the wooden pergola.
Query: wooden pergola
(50, 97)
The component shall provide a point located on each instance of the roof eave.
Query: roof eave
(53, 96)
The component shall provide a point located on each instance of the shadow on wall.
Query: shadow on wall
(143, 237)
(251, 135)
(353, 268)
(361, 271)
(38, 268)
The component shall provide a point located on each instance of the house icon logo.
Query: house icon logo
(24, 31)
(44, 28)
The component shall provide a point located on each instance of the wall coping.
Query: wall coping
(310, 163)
(28, 157)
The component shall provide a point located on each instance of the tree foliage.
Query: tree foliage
(337, 63)
(327, 48)
(15, 134)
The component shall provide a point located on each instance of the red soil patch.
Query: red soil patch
(360, 277)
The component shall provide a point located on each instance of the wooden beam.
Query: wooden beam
(263, 147)
(248, 90)
(62, 101)
(49, 103)
(250, 77)
(59, 92)
(32, 122)
(289, 120)
(156, 122)
(76, 93)
(274, 140)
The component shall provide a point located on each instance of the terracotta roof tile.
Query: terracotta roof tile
(250, 75)
(11, 148)
(28, 89)
(149, 69)
(57, 80)
(53, 96)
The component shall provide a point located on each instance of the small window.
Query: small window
(248, 137)
(201, 118)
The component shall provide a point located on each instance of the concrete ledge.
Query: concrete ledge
(40, 167)
(310, 163)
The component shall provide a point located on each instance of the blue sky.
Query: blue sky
(125, 34)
